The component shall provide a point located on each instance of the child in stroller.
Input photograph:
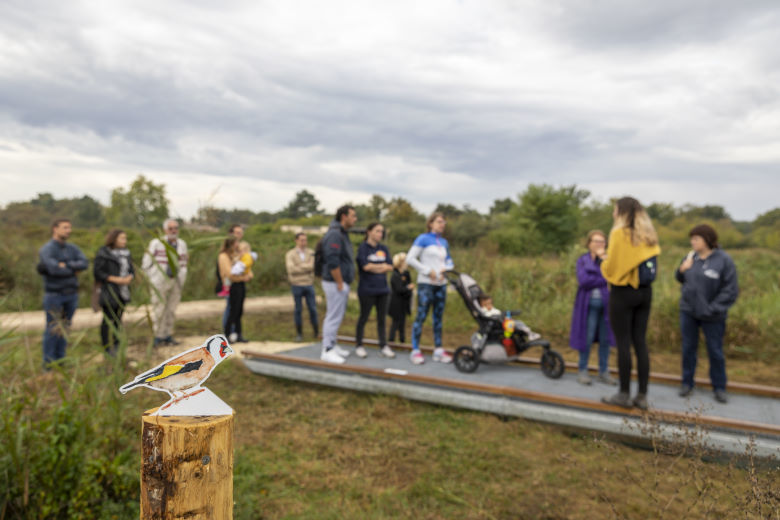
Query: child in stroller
(485, 304)
(497, 340)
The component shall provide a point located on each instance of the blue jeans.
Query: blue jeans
(429, 295)
(226, 314)
(596, 322)
(713, 336)
(301, 292)
(59, 309)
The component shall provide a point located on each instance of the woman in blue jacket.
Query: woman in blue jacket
(709, 287)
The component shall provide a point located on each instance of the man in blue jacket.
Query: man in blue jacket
(338, 272)
(59, 263)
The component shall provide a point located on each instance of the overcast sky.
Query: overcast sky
(244, 103)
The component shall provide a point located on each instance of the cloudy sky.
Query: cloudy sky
(244, 103)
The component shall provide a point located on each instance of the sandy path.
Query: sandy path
(86, 318)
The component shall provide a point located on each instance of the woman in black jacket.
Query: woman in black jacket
(401, 288)
(113, 270)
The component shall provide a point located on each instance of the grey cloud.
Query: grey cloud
(664, 23)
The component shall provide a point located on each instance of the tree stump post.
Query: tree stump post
(187, 467)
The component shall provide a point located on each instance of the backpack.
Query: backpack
(218, 287)
(319, 259)
(647, 271)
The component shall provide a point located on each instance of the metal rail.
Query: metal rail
(657, 377)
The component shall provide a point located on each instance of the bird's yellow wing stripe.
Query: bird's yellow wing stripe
(168, 370)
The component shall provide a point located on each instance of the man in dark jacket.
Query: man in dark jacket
(337, 273)
(709, 287)
(59, 263)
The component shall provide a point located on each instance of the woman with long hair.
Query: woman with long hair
(373, 262)
(228, 255)
(430, 257)
(589, 318)
(632, 247)
(113, 270)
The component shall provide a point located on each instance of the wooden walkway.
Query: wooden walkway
(520, 389)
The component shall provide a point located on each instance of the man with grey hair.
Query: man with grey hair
(165, 264)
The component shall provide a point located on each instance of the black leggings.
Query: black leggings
(111, 325)
(237, 294)
(366, 303)
(629, 310)
(398, 324)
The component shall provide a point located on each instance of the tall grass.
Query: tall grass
(67, 443)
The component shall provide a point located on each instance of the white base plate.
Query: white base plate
(197, 401)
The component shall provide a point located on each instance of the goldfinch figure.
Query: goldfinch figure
(182, 376)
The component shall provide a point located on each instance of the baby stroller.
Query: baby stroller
(497, 340)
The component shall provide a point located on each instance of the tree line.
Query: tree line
(542, 219)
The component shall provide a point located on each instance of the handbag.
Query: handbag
(95, 302)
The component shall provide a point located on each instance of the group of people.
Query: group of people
(614, 296)
(59, 263)
(612, 305)
(429, 256)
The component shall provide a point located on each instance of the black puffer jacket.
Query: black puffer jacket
(709, 287)
(401, 295)
(105, 265)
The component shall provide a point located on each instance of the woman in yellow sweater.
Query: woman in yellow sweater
(632, 241)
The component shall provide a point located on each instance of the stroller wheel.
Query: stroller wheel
(466, 359)
(552, 364)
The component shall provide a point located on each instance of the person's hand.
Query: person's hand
(434, 275)
(249, 275)
(127, 279)
(601, 252)
(410, 286)
(62, 264)
(687, 263)
(340, 286)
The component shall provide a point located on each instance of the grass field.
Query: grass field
(69, 444)
(70, 449)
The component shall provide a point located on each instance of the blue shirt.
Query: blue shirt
(372, 284)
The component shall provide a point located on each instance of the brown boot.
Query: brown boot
(621, 399)
(640, 401)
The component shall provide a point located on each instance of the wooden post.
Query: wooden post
(187, 467)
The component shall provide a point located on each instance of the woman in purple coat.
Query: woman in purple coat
(589, 319)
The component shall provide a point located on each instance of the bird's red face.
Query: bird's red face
(223, 349)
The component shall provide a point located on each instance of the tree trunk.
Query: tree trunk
(187, 467)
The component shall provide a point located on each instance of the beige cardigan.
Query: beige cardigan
(300, 272)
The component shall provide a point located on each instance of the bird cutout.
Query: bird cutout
(182, 376)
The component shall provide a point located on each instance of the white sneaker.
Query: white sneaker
(233, 337)
(441, 355)
(416, 357)
(387, 352)
(361, 352)
(341, 351)
(331, 356)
